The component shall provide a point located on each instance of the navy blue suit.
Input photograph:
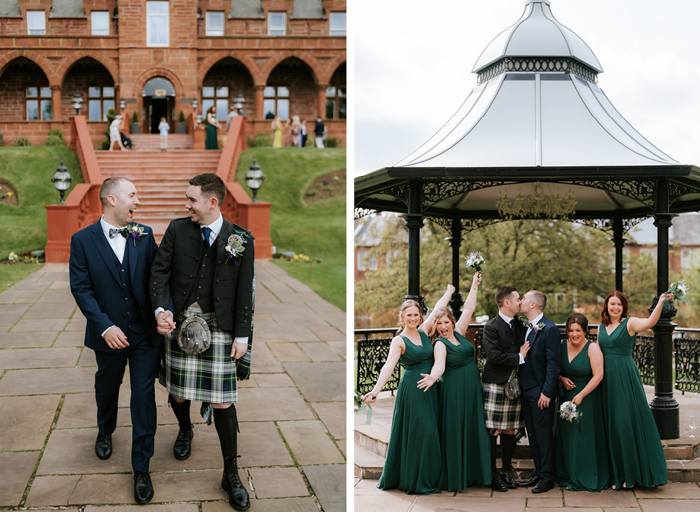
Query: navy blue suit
(540, 375)
(112, 293)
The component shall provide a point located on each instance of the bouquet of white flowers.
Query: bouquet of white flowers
(475, 260)
(679, 290)
(569, 412)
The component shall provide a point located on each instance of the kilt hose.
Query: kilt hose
(500, 411)
(207, 377)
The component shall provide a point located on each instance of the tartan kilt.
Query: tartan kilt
(207, 377)
(500, 411)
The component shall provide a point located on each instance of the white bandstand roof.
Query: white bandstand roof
(537, 105)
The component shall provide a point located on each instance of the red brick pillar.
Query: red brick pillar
(55, 102)
(259, 100)
(322, 100)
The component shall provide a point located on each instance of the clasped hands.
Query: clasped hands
(166, 323)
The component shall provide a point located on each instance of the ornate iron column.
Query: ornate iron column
(619, 243)
(456, 302)
(664, 406)
(414, 222)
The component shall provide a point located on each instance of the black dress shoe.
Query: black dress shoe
(529, 482)
(183, 444)
(508, 479)
(496, 482)
(237, 495)
(543, 485)
(103, 446)
(143, 488)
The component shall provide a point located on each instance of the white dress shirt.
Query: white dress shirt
(118, 245)
(533, 323)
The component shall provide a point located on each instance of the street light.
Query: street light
(198, 118)
(77, 103)
(239, 103)
(195, 104)
(61, 180)
(254, 178)
(122, 104)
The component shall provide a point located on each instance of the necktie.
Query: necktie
(118, 231)
(512, 324)
(207, 232)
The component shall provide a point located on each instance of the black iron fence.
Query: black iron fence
(373, 349)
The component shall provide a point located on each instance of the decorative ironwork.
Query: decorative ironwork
(371, 356)
(363, 212)
(536, 205)
(468, 225)
(678, 190)
(687, 356)
(400, 192)
(606, 225)
(643, 355)
(436, 191)
(642, 191)
(538, 65)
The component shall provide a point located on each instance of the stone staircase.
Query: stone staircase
(371, 441)
(160, 179)
(148, 142)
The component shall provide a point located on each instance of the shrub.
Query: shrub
(180, 117)
(262, 140)
(310, 141)
(104, 145)
(134, 119)
(248, 139)
(332, 142)
(0, 138)
(22, 141)
(55, 138)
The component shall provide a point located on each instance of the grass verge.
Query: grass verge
(316, 230)
(10, 274)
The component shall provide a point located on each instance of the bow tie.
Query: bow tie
(529, 325)
(118, 231)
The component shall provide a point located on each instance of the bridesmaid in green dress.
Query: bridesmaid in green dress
(413, 456)
(634, 445)
(581, 448)
(212, 129)
(464, 440)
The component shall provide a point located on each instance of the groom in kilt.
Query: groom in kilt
(504, 354)
(205, 268)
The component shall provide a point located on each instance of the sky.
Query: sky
(412, 62)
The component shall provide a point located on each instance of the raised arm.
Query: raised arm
(429, 322)
(635, 325)
(395, 350)
(440, 353)
(469, 306)
(596, 357)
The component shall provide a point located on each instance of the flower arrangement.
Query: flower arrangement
(135, 232)
(569, 412)
(679, 289)
(235, 245)
(301, 257)
(475, 260)
(360, 406)
(537, 328)
(26, 257)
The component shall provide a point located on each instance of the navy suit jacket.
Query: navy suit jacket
(543, 361)
(96, 286)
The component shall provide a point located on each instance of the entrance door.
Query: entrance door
(159, 102)
(158, 108)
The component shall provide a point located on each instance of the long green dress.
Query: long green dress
(634, 445)
(581, 447)
(413, 457)
(211, 142)
(465, 446)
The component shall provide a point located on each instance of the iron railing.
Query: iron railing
(373, 349)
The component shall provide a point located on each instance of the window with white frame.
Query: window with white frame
(39, 104)
(365, 261)
(276, 24)
(36, 23)
(276, 100)
(158, 23)
(216, 96)
(215, 23)
(99, 21)
(337, 24)
(101, 99)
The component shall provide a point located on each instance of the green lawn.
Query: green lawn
(316, 230)
(29, 170)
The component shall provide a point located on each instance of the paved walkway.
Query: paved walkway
(292, 411)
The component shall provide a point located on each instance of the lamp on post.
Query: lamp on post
(195, 104)
(77, 103)
(254, 178)
(198, 118)
(61, 180)
(122, 105)
(239, 103)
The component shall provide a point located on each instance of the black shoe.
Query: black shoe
(508, 479)
(237, 495)
(529, 482)
(183, 444)
(543, 485)
(103, 446)
(496, 482)
(143, 488)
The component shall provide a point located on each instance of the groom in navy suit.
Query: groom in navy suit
(539, 380)
(110, 262)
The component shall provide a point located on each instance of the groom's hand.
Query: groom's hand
(543, 402)
(115, 338)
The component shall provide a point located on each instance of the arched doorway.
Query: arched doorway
(158, 101)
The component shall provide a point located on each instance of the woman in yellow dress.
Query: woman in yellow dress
(277, 134)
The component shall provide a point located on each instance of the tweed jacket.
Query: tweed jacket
(177, 263)
(501, 345)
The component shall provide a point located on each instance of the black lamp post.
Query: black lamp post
(254, 178)
(77, 103)
(239, 103)
(61, 180)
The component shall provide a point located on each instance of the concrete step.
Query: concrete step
(150, 142)
(368, 465)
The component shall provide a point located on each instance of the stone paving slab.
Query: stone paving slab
(11, 313)
(77, 323)
(329, 483)
(284, 333)
(319, 382)
(606, 498)
(170, 507)
(38, 324)
(27, 339)
(14, 359)
(70, 339)
(289, 352)
(278, 482)
(319, 352)
(25, 421)
(273, 380)
(264, 361)
(272, 404)
(328, 333)
(669, 506)
(61, 310)
(270, 505)
(15, 470)
(309, 442)
(53, 295)
(49, 381)
(332, 414)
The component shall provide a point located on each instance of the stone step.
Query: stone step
(150, 142)
(368, 465)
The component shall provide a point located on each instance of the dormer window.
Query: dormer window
(337, 24)
(36, 23)
(215, 23)
(277, 24)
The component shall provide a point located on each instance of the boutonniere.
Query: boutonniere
(136, 232)
(537, 328)
(235, 245)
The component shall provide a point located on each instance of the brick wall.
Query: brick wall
(20, 74)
